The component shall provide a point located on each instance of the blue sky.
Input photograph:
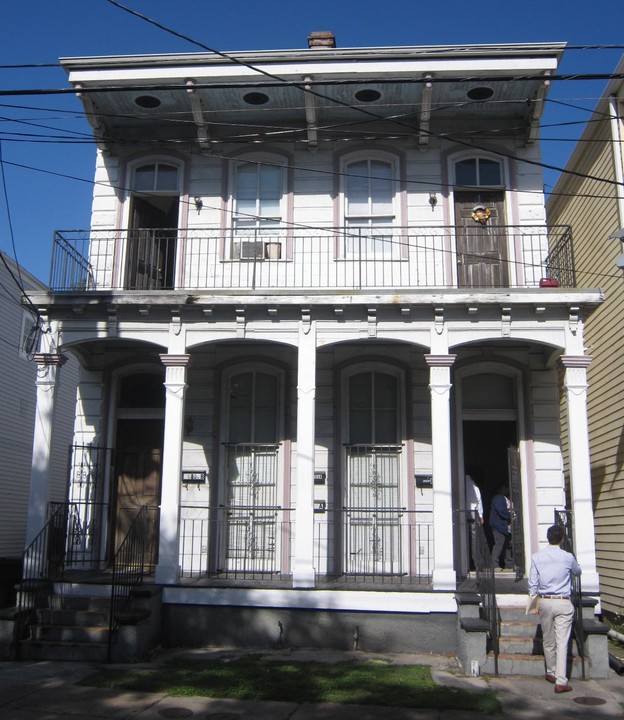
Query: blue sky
(41, 31)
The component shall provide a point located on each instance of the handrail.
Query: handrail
(486, 582)
(43, 563)
(128, 571)
(564, 519)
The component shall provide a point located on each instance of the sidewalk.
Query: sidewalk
(49, 691)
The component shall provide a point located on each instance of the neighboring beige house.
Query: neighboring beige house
(314, 290)
(18, 393)
(591, 201)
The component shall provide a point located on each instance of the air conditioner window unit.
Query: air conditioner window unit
(251, 250)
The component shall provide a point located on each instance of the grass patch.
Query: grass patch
(253, 677)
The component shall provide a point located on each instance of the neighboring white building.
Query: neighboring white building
(296, 329)
(18, 376)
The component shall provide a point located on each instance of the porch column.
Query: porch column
(440, 386)
(303, 560)
(167, 570)
(48, 380)
(580, 468)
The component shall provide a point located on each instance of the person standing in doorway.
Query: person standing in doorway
(500, 524)
(550, 581)
(474, 507)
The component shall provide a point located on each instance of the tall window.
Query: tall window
(257, 211)
(369, 207)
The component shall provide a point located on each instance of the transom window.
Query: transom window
(477, 172)
(369, 208)
(156, 177)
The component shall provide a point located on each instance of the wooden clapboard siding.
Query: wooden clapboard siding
(17, 417)
(592, 220)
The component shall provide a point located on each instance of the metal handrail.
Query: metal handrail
(43, 564)
(129, 569)
(486, 583)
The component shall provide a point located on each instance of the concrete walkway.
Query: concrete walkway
(49, 691)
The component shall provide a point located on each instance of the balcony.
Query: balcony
(312, 260)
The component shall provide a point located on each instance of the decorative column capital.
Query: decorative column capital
(576, 361)
(444, 361)
(175, 360)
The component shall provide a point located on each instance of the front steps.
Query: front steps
(74, 626)
(520, 640)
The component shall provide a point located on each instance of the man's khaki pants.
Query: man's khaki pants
(556, 618)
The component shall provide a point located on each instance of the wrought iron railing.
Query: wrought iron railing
(349, 259)
(235, 542)
(43, 564)
(373, 545)
(132, 561)
(565, 519)
(486, 583)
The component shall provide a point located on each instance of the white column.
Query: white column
(48, 377)
(303, 560)
(440, 386)
(580, 468)
(167, 570)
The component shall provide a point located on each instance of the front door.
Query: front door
(481, 247)
(138, 468)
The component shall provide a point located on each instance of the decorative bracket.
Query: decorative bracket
(199, 114)
(439, 320)
(176, 321)
(306, 320)
(506, 321)
(112, 321)
(101, 131)
(372, 322)
(574, 319)
(425, 112)
(311, 116)
(240, 322)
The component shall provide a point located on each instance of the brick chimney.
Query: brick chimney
(321, 39)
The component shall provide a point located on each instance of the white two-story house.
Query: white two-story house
(317, 287)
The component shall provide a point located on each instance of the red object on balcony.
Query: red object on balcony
(549, 282)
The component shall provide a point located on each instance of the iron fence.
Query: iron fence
(350, 259)
(377, 545)
(486, 584)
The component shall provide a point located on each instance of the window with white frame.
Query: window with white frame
(369, 208)
(478, 172)
(257, 211)
(155, 177)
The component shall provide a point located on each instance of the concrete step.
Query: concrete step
(52, 616)
(61, 651)
(70, 633)
(80, 602)
(520, 645)
(519, 628)
(523, 664)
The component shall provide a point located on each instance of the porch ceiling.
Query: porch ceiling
(335, 93)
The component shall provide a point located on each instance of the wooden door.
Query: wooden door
(481, 248)
(138, 469)
(152, 243)
(515, 495)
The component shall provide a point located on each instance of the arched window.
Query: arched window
(153, 224)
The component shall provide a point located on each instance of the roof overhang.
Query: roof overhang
(317, 95)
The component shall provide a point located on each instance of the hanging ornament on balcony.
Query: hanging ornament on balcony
(481, 214)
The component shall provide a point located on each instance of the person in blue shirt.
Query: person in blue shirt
(550, 581)
(500, 525)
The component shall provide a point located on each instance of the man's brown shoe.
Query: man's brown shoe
(563, 688)
(551, 678)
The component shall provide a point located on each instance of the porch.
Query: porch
(338, 258)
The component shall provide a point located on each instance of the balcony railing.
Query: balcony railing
(347, 259)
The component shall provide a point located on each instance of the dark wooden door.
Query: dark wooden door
(138, 468)
(481, 248)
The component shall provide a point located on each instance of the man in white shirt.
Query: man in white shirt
(474, 506)
(550, 580)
